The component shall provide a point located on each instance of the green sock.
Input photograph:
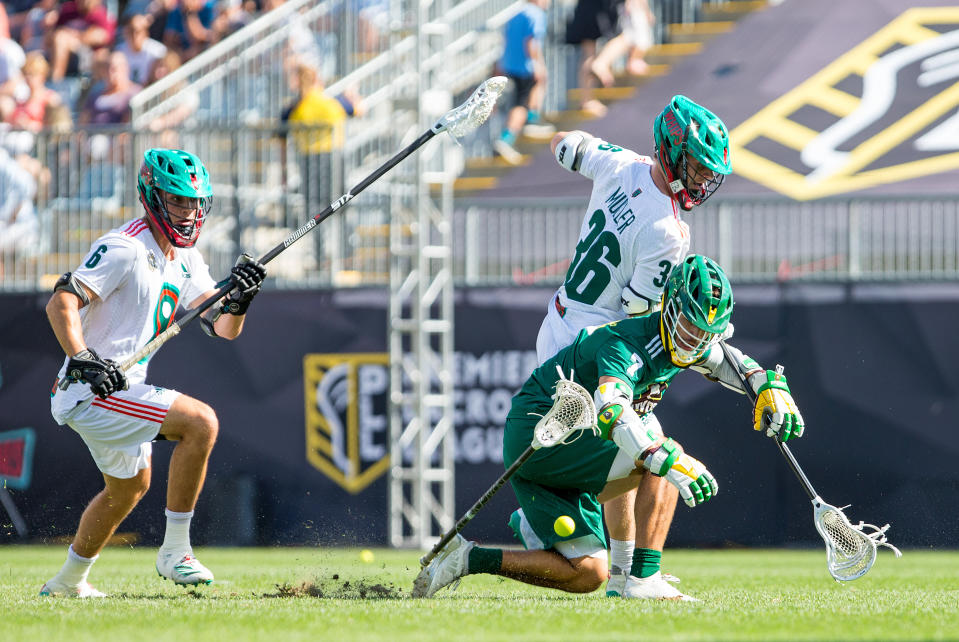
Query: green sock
(532, 117)
(508, 136)
(646, 562)
(485, 560)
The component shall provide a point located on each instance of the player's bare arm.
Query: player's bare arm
(226, 320)
(63, 312)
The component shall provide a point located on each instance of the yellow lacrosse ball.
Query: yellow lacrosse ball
(564, 526)
(366, 555)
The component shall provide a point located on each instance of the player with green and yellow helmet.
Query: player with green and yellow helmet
(622, 361)
(697, 305)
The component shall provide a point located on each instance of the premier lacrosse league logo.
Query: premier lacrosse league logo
(346, 420)
(885, 111)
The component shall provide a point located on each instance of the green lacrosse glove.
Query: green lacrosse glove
(696, 484)
(775, 410)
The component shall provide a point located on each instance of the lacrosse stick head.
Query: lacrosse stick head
(573, 411)
(850, 550)
(462, 120)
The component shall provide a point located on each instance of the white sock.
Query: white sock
(177, 537)
(621, 554)
(75, 569)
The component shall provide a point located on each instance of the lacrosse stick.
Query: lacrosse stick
(458, 122)
(573, 411)
(850, 550)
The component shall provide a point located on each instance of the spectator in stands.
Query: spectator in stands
(32, 31)
(372, 20)
(57, 119)
(636, 38)
(313, 107)
(189, 27)
(12, 58)
(16, 12)
(112, 106)
(233, 16)
(157, 10)
(141, 50)
(320, 120)
(18, 222)
(523, 63)
(81, 29)
(29, 114)
(591, 20)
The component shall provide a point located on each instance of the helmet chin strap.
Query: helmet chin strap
(681, 195)
(679, 192)
(172, 232)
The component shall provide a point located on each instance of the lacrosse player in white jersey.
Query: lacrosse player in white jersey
(632, 236)
(124, 293)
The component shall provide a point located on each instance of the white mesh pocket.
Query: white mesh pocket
(573, 410)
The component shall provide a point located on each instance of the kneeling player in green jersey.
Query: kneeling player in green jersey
(620, 361)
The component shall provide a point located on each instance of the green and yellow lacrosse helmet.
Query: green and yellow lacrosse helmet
(177, 180)
(697, 305)
(683, 130)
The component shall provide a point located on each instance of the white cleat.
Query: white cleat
(83, 591)
(182, 568)
(445, 569)
(654, 587)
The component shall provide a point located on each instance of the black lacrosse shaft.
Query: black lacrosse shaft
(471, 513)
(313, 222)
(783, 448)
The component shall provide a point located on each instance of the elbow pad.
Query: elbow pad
(68, 283)
(569, 152)
(715, 367)
(207, 320)
(627, 430)
(635, 304)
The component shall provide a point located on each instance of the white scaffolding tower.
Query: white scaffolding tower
(421, 303)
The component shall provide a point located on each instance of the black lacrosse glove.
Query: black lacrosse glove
(247, 278)
(104, 376)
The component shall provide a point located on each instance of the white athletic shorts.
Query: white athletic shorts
(585, 546)
(117, 430)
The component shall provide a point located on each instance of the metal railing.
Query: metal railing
(756, 240)
(244, 78)
(260, 198)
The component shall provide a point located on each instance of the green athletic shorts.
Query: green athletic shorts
(561, 480)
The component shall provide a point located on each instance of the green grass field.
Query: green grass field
(315, 594)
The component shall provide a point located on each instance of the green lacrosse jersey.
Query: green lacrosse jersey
(565, 479)
(631, 350)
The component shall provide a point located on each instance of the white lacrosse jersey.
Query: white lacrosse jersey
(139, 291)
(632, 235)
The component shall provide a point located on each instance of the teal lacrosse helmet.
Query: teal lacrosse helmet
(683, 130)
(172, 178)
(697, 305)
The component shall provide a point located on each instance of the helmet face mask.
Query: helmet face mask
(175, 190)
(700, 181)
(686, 132)
(697, 305)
